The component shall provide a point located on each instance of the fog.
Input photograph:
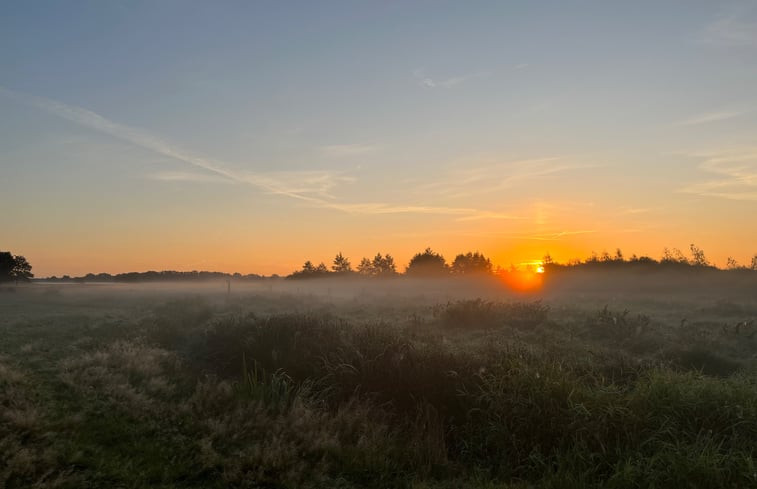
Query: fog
(582, 288)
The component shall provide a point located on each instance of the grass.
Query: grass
(261, 392)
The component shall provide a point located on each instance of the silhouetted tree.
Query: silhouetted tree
(673, 256)
(341, 264)
(697, 256)
(311, 271)
(365, 267)
(753, 266)
(732, 264)
(471, 264)
(7, 264)
(380, 266)
(427, 263)
(642, 259)
(383, 266)
(14, 268)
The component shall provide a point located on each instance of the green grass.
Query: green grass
(263, 392)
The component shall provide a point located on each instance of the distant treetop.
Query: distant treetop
(341, 264)
(471, 264)
(427, 264)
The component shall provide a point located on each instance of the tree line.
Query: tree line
(161, 276)
(672, 258)
(427, 263)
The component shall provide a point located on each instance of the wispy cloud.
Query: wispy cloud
(734, 172)
(178, 176)
(498, 176)
(347, 150)
(310, 187)
(734, 30)
(556, 236)
(711, 117)
(426, 81)
(635, 210)
(292, 187)
(462, 213)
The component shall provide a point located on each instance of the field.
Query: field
(398, 384)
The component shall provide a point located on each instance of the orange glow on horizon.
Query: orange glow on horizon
(523, 280)
(285, 251)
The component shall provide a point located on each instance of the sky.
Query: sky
(252, 136)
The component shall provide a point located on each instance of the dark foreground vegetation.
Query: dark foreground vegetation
(115, 387)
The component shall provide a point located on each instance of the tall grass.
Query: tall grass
(469, 394)
(500, 410)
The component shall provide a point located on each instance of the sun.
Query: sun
(540, 269)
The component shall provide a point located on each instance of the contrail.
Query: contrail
(142, 139)
(318, 182)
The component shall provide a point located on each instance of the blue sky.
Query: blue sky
(253, 135)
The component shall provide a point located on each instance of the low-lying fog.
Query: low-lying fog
(577, 288)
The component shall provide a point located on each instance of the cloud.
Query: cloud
(498, 176)
(463, 213)
(177, 176)
(734, 172)
(347, 150)
(635, 210)
(428, 82)
(711, 117)
(310, 187)
(731, 31)
(292, 187)
(319, 182)
(556, 236)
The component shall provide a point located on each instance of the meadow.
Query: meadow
(624, 382)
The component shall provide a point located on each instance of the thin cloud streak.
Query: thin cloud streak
(731, 31)
(492, 178)
(711, 117)
(737, 176)
(552, 236)
(635, 210)
(140, 138)
(428, 82)
(347, 150)
(558, 235)
(464, 213)
(311, 187)
(188, 177)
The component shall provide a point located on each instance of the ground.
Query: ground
(409, 384)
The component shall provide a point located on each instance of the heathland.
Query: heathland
(592, 379)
